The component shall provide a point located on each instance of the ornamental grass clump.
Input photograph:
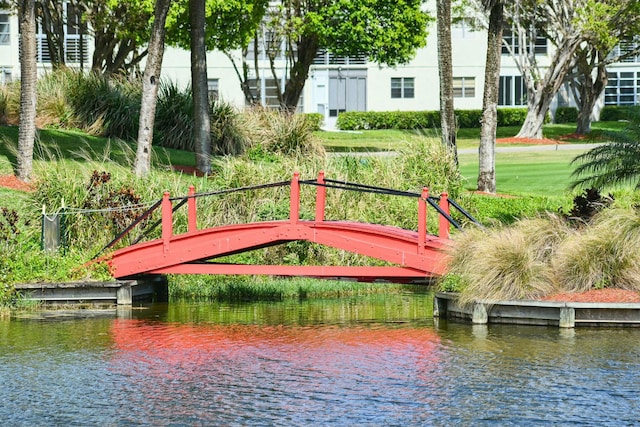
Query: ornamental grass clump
(605, 254)
(511, 263)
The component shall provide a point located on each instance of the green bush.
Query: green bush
(314, 120)
(358, 120)
(614, 113)
(566, 115)
(511, 116)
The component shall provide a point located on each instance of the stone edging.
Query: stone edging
(547, 313)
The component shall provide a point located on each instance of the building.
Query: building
(338, 84)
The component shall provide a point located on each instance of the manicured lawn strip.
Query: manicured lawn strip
(388, 139)
(541, 173)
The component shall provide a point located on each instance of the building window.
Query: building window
(464, 28)
(623, 88)
(323, 57)
(402, 87)
(511, 42)
(4, 29)
(626, 50)
(213, 88)
(512, 91)
(5, 76)
(464, 87)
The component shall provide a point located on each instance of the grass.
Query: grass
(540, 256)
(525, 173)
(390, 139)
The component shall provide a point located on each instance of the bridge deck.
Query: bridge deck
(186, 253)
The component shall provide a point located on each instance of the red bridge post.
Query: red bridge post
(192, 224)
(167, 220)
(444, 226)
(294, 201)
(321, 197)
(422, 220)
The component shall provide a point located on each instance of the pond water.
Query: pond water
(375, 360)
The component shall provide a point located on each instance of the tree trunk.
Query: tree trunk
(445, 64)
(199, 87)
(486, 152)
(307, 50)
(589, 94)
(538, 104)
(28, 81)
(150, 82)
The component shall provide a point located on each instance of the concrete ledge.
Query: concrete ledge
(120, 292)
(547, 313)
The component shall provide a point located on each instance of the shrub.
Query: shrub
(359, 120)
(598, 258)
(280, 132)
(510, 263)
(511, 116)
(615, 113)
(314, 120)
(566, 115)
(173, 126)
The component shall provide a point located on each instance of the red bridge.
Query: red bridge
(416, 255)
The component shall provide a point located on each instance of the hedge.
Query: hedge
(614, 113)
(566, 115)
(358, 120)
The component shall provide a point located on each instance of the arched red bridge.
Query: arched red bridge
(416, 255)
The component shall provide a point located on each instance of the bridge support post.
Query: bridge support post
(191, 210)
(167, 220)
(444, 226)
(422, 220)
(321, 197)
(294, 201)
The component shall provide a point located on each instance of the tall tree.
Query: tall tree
(199, 86)
(607, 24)
(555, 20)
(385, 31)
(445, 69)
(489, 124)
(150, 82)
(121, 31)
(52, 19)
(28, 81)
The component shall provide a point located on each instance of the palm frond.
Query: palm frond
(613, 164)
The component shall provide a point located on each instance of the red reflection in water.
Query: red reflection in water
(257, 372)
(179, 343)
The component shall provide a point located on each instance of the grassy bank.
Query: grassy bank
(65, 163)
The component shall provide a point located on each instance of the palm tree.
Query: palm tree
(613, 164)
(486, 152)
(28, 81)
(199, 88)
(150, 82)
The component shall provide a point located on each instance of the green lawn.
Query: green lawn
(539, 173)
(389, 139)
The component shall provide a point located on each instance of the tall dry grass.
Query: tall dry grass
(510, 263)
(605, 254)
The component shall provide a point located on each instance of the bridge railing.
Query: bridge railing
(441, 204)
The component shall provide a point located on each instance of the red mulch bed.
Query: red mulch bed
(10, 181)
(597, 295)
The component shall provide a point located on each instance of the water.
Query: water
(378, 361)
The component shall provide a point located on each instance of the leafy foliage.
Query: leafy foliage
(356, 120)
(614, 164)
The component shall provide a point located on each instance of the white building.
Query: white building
(338, 84)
